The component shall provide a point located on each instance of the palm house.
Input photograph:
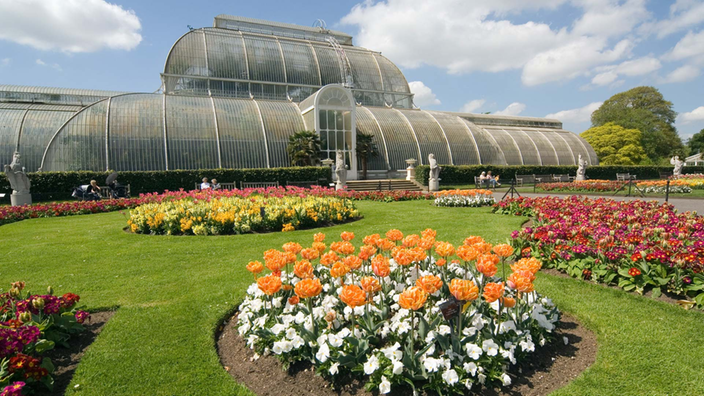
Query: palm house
(231, 96)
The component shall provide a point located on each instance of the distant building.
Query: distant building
(232, 95)
(694, 160)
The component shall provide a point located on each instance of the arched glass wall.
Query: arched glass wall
(231, 63)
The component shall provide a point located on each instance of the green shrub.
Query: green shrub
(464, 174)
(58, 185)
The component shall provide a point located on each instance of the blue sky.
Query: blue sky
(557, 58)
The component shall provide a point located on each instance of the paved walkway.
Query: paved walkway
(682, 204)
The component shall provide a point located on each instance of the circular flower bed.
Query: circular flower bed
(237, 215)
(464, 198)
(397, 311)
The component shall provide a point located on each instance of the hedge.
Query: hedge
(59, 185)
(464, 174)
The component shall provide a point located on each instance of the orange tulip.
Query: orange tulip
(371, 239)
(353, 296)
(493, 291)
(471, 240)
(342, 247)
(366, 252)
(444, 249)
(269, 284)
(503, 250)
(370, 284)
(303, 269)
(329, 258)
(353, 262)
(483, 247)
(429, 233)
(429, 283)
(319, 246)
(394, 235)
(419, 254)
(441, 262)
(255, 267)
(310, 253)
(385, 244)
(411, 240)
(380, 266)
(412, 298)
(509, 302)
(274, 260)
(308, 288)
(319, 237)
(347, 236)
(293, 300)
(339, 269)
(467, 253)
(521, 281)
(292, 247)
(531, 264)
(289, 257)
(486, 264)
(403, 257)
(464, 290)
(426, 243)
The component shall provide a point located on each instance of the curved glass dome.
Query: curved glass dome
(156, 132)
(241, 64)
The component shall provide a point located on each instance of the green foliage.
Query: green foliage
(58, 185)
(696, 142)
(366, 149)
(464, 174)
(303, 148)
(644, 109)
(615, 145)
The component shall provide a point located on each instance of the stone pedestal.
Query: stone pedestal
(21, 199)
(433, 185)
(580, 177)
(340, 186)
(410, 173)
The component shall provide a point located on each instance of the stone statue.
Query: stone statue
(340, 171)
(678, 163)
(19, 182)
(434, 182)
(582, 168)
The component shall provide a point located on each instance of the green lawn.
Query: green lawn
(172, 291)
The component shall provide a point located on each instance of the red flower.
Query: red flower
(634, 272)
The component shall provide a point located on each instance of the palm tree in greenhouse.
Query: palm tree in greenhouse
(303, 148)
(366, 149)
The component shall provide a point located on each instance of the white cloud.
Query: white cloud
(513, 109)
(692, 116)
(5, 61)
(472, 106)
(684, 14)
(582, 114)
(55, 66)
(69, 25)
(462, 36)
(682, 74)
(423, 95)
(690, 47)
(608, 75)
(605, 78)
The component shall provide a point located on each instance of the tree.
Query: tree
(696, 142)
(615, 145)
(366, 149)
(644, 109)
(303, 148)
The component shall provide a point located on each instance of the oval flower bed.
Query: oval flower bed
(464, 198)
(30, 325)
(408, 311)
(635, 244)
(235, 215)
(593, 185)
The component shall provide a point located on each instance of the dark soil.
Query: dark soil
(66, 359)
(551, 368)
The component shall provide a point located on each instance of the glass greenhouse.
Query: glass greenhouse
(233, 94)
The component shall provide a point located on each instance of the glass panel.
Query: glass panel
(507, 145)
(226, 58)
(190, 130)
(464, 151)
(241, 135)
(366, 124)
(281, 120)
(80, 144)
(394, 80)
(398, 137)
(264, 57)
(37, 130)
(490, 151)
(136, 137)
(300, 64)
(548, 154)
(430, 136)
(564, 153)
(329, 65)
(364, 70)
(10, 121)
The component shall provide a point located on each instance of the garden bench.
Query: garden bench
(525, 179)
(481, 183)
(665, 175)
(244, 185)
(223, 186)
(625, 177)
(542, 178)
(562, 178)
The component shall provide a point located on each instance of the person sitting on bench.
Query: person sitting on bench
(493, 180)
(214, 184)
(205, 185)
(93, 191)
